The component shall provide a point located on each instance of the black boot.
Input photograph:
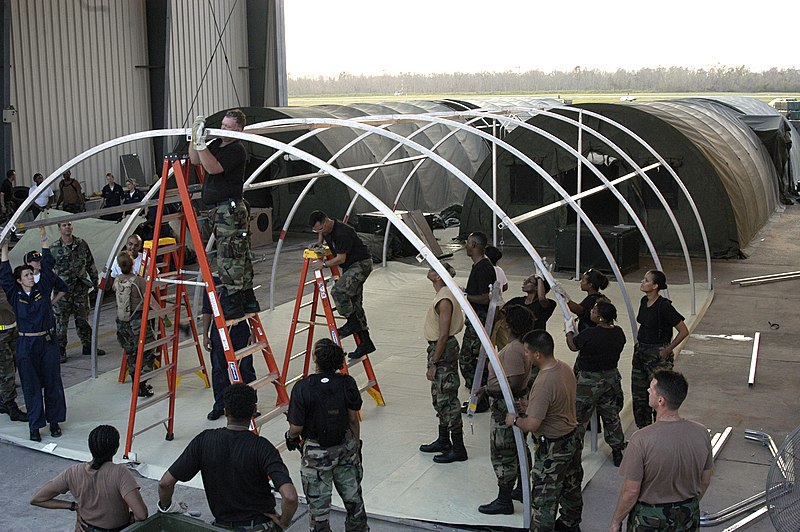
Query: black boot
(55, 430)
(63, 354)
(561, 527)
(13, 411)
(365, 346)
(457, 453)
(442, 443)
(616, 456)
(321, 526)
(501, 505)
(145, 390)
(351, 326)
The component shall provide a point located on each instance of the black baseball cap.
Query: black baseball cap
(32, 256)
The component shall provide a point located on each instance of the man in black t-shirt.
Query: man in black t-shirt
(324, 411)
(355, 261)
(224, 161)
(236, 466)
(478, 292)
(112, 197)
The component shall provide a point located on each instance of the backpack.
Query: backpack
(330, 417)
(124, 288)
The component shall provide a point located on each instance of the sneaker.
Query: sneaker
(214, 415)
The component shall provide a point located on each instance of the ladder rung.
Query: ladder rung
(167, 275)
(353, 361)
(309, 283)
(307, 304)
(306, 322)
(298, 355)
(161, 265)
(170, 217)
(153, 400)
(162, 312)
(150, 374)
(190, 370)
(302, 330)
(249, 350)
(168, 249)
(370, 384)
(148, 427)
(294, 379)
(335, 317)
(231, 323)
(186, 343)
(263, 418)
(159, 342)
(263, 381)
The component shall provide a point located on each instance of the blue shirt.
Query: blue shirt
(34, 310)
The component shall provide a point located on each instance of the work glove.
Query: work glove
(293, 443)
(558, 289)
(177, 508)
(569, 326)
(199, 133)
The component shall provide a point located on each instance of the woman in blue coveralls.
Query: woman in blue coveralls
(37, 350)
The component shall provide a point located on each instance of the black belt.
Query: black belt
(91, 528)
(560, 438)
(434, 342)
(667, 504)
(260, 520)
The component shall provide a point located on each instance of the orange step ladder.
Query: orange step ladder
(180, 279)
(321, 296)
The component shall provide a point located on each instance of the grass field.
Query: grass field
(606, 97)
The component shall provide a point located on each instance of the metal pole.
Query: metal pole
(751, 379)
(760, 277)
(494, 182)
(580, 185)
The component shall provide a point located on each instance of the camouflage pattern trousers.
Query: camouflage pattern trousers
(8, 344)
(468, 358)
(444, 388)
(340, 465)
(348, 291)
(676, 517)
(74, 303)
(128, 337)
(503, 447)
(557, 476)
(601, 391)
(234, 265)
(646, 361)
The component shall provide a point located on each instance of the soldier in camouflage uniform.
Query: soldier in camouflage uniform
(129, 321)
(550, 416)
(443, 321)
(599, 381)
(330, 445)
(502, 446)
(75, 266)
(8, 340)
(355, 261)
(224, 161)
(667, 465)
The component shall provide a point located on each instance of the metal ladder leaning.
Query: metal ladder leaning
(180, 279)
(321, 297)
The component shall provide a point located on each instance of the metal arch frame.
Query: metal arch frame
(664, 164)
(478, 191)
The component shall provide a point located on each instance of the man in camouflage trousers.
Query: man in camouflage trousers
(8, 340)
(330, 444)
(550, 416)
(75, 266)
(667, 466)
(443, 321)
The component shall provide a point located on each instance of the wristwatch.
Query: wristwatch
(515, 420)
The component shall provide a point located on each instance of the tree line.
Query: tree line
(661, 79)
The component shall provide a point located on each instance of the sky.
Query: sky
(327, 37)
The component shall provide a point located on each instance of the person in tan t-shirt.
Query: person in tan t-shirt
(557, 471)
(105, 493)
(667, 466)
(443, 321)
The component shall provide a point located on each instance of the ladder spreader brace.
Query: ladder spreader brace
(188, 220)
(321, 296)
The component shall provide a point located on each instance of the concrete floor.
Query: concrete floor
(716, 368)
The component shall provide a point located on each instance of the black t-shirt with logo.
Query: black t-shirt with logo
(319, 404)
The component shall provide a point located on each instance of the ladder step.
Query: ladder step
(298, 355)
(148, 427)
(294, 380)
(190, 370)
(153, 400)
(275, 412)
(353, 361)
(150, 374)
(231, 323)
(307, 304)
(302, 330)
(169, 309)
(306, 322)
(263, 381)
(186, 343)
(170, 217)
(159, 342)
(249, 350)
(163, 250)
(368, 385)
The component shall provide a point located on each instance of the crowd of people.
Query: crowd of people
(666, 465)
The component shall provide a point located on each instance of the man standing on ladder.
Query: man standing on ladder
(224, 161)
(355, 260)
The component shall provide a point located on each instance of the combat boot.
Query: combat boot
(13, 411)
(616, 456)
(561, 527)
(321, 526)
(442, 443)
(351, 326)
(516, 493)
(63, 357)
(87, 351)
(457, 453)
(365, 346)
(501, 505)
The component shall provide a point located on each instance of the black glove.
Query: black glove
(293, 443)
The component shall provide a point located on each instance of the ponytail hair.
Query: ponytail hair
(103, 444)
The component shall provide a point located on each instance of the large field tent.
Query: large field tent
(431, 189)
(722, 162)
